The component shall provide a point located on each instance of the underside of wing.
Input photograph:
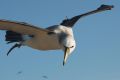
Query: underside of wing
(22, 28)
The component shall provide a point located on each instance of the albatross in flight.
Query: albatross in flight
(57, 37)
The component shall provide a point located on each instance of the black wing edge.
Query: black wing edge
(71, 22)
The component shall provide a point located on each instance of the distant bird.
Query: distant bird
(45, 77)
(19, 72)
(57, 37)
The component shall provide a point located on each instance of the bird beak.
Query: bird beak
(66, 54)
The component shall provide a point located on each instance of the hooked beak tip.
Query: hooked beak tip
(63, 63)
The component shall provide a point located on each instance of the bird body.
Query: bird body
(51, 41)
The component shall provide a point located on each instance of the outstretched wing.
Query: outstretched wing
(73, 20)
(22, 28)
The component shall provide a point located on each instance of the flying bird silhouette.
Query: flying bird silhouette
(56, 37)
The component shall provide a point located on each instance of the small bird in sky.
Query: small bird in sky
(19, 72)
(56, 37)
(45, 77)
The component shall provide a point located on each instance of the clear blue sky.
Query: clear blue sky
(96, 57)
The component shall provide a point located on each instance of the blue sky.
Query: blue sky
(96, 57)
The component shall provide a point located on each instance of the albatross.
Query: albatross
(56, 37)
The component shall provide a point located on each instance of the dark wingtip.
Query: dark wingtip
(105, 7)
(16, 45)
(7, 54)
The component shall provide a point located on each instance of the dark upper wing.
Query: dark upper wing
(73, 20)
(22, 28)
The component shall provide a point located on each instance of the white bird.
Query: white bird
(57, 37)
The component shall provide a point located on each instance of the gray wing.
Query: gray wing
(22, 28)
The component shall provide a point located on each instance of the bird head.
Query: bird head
(69, 46)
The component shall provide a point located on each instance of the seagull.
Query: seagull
(56, 37)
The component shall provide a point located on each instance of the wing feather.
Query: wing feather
(22, 28)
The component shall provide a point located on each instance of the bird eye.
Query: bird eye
(71, 46)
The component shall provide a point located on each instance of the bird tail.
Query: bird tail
(13, 37)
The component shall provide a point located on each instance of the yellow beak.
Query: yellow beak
(66, 54)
